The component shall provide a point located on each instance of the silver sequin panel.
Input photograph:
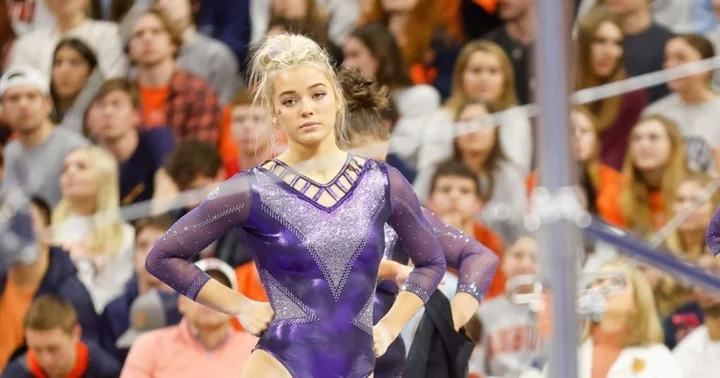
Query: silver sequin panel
(390, 241)
(288, 308)
(333, 239)
(364, 320)
(417, 290)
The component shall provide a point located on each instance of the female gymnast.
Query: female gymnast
(476, 264)
(314, 217)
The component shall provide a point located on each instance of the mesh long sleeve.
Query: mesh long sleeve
(475, 262)
(416, 234)
(225, 208)
(712, 236)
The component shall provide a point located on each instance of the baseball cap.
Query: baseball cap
(24, 75)
(17, 235)
(220, 266)
(150, 311)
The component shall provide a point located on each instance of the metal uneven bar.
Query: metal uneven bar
(559, 239)
(640, 251)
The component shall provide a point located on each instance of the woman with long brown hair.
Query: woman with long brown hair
(483, 72)
(415, 138)
(502, 188)
(428, 42)
(600, 61)
(73, 63)
(596, 179)
(654, 167)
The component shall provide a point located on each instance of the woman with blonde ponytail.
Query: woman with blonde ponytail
(314, 217)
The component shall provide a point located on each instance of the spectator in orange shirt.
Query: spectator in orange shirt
(32, 269)
(596, 179)
(654, 166)
(455, 198)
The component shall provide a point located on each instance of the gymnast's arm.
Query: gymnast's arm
(226, 207)
(476, 265)
(712, 236)
(414, 232)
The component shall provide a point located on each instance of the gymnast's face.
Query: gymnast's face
(305, 105)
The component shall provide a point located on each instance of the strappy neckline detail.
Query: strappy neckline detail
(325, 196)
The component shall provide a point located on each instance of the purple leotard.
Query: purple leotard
(712, 236)
(476, 265)
(318, 264)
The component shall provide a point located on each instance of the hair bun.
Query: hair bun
(286, 50)
(361, 93)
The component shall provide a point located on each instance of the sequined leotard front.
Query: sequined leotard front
(318, 264)
(476, 266)
(712, 235)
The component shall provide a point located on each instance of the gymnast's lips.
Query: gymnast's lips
(309, 124)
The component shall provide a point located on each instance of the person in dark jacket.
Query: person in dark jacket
(34, 268)
(438, 350)
(115, 319)
(53, 333)
(228, 21)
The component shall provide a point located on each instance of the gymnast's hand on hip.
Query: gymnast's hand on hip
(255, 316)
(383, 336)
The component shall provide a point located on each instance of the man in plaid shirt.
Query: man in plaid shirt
(170, 97)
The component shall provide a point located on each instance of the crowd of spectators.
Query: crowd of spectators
(106, 104)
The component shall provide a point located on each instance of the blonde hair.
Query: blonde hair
(283, 52)
(643, 326)
(635, 196)
(107, 230)
(459, 95)
(674, 242)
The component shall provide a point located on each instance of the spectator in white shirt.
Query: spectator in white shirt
(699, 353)
(34, 160)
(36, 48)
(693, 105)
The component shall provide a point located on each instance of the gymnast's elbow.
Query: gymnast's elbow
(155, 259)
